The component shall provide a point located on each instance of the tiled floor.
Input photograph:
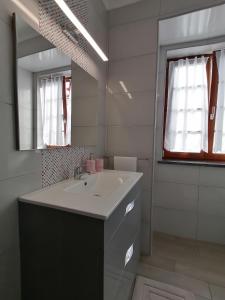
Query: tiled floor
(191, 265)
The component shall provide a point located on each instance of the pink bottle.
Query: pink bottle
(99, 164)
(90, 164)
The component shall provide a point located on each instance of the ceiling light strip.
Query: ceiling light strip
(123, 86)
(70, 15)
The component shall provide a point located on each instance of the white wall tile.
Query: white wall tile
(137, 73)
(212, 201)
(130, 141)
(158, 146)
(178, 223)
(10, 190)
(211, 228)
(96, 26)
(136, 111)
(146, 206)
(84, 135)
(14, 163)
(133, 39)
(211, 176)
(138, 11)
(177, 173)
(84, 112)
(145, 166)
(176, 196)
(145, 238)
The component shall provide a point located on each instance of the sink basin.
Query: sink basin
(97, 185)
(96, 195)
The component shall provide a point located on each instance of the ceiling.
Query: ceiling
(199, 25)
(112, 4)
(46, 60)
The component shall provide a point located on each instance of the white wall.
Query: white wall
(130, 123)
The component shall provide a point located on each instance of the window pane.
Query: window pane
(193, 143)
(178, 147)
(219, 135)
(180, 121)
(187, 106)
(179, 99)
(194, 121)
(195, 98)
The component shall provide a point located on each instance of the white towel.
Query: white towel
(125, 163)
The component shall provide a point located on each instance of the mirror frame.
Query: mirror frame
(15, 83)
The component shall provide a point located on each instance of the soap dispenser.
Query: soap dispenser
(90, 164)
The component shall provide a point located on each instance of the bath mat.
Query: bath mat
(147, 289)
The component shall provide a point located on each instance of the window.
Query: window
(54, 111)
(194, 118)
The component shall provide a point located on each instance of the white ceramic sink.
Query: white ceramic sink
(98, 185)
(95, 195)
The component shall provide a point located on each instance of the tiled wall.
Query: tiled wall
(130, 122)
(20, 172)
(190, 202)
(59, 164)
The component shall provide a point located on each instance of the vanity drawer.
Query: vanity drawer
(126, 209)
(119, 286)
(115, 253)
(121, 253)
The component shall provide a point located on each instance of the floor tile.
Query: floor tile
(205, 274)
(159, 262)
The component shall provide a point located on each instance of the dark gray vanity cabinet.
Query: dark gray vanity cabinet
(70, 256)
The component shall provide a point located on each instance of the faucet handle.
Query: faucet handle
(77, 171)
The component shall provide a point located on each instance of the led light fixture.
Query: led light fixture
(125, 89)
(70, 15)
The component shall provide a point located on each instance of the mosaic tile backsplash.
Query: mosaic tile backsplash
(58, 164)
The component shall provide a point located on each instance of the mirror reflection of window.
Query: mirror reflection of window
(54, 110)
(43, 76)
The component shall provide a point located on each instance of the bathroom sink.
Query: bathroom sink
(96, 195)
(97, 185)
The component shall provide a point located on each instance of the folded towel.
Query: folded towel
(125, 163)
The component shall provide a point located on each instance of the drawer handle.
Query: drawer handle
(129, 207)
(129, 254)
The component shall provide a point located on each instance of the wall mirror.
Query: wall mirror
(45, 110)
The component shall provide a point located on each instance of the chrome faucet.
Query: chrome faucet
(78, 172)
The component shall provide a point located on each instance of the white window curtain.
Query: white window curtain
(50, 112)
(219, 134)
(187, 106)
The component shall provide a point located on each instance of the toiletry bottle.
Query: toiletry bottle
(90, 164)
(99, 164)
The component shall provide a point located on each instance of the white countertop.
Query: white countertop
(105, 192)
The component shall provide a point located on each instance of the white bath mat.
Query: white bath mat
(147, 289)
